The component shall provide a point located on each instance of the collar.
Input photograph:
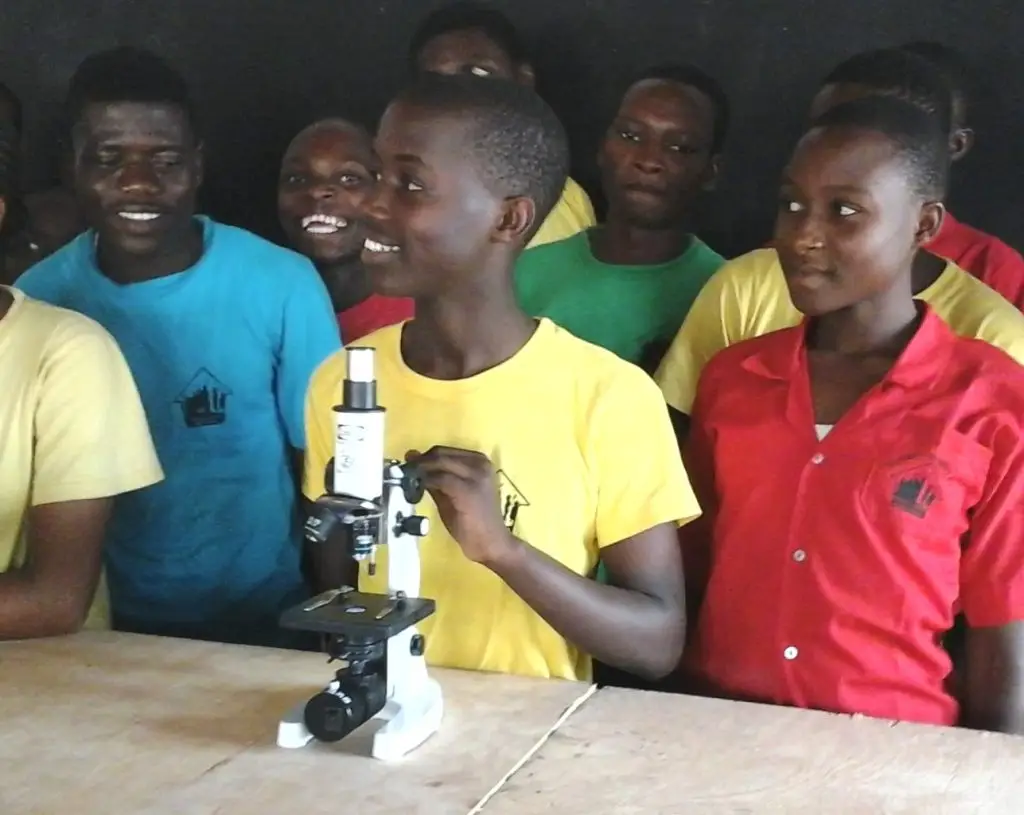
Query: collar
(783, 355)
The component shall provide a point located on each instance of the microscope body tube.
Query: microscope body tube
(359, 431)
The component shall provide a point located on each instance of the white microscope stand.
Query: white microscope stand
(414, 706)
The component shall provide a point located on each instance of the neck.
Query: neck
(347, 282)
(926, 270)
(459, 338)
(877, 327)
(126, 267)
(6, 301)
(624, 244)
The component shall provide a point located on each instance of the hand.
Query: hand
(465, 489)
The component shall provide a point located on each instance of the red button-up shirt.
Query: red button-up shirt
(993, 262)
(836, 566)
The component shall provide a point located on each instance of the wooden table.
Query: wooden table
(627, 752)
(114, 723)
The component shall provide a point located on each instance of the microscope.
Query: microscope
(369, 502)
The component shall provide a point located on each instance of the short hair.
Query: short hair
(12, 99)
(953, 66)
(900, 73)
(516, 140)
(694, 77)
(920, 142)
(127, 75)
(469, 15)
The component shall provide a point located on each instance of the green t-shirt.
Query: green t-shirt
(633, 311)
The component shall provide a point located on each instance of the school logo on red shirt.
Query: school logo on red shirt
(913, 495)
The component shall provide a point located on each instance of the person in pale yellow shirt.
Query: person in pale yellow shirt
(748, 297)
(477, 39)
(540, 452)
(74, 438)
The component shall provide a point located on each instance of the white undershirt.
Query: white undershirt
(822, 430)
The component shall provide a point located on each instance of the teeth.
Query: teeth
(139, 216)
(375, 246)
(323, 224)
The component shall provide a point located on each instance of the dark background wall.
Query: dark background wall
(263, 68)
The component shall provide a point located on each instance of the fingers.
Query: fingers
(465, 464)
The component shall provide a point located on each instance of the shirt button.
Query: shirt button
(790, 653)
(817, 458)
(799, 556)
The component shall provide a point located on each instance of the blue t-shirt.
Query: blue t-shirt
(221, 353)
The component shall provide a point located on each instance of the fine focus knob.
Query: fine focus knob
(415, 525)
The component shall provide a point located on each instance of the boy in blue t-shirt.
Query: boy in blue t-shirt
(222, 331)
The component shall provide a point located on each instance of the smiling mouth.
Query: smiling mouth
(138, 217)
(319, 224)
(377, 247)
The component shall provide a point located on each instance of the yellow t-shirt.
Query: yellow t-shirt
(71, 423)
(748, 297)
(573, 213)
(585, 455)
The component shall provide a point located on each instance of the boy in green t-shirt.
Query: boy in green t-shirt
(626, 285)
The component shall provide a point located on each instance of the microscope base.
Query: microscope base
(408, 723)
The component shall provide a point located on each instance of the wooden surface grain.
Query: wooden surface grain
(627, 752)
(115, 723)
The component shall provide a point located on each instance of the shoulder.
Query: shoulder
(753, 267)
(597, 375)
(974, 310)
(547, 252)
(53, 273)
(575, 195)
(257, 257)
(61, 334)
(740, 365)
(981, 362)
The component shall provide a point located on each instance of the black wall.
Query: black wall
(263, 68)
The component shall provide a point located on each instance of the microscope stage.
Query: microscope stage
(360, 615)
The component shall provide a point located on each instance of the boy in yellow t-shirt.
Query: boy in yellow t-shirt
(540, 452)
(75, 437)
(467, 37)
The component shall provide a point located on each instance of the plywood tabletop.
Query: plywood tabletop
(627, 752)
(115, 723)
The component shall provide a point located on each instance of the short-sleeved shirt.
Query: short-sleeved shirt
(72, 427)
(748, 297)
(633, 311)
(837, 565)
(585, 458)
(375, 312)
(573, 213)
(222, 353)
(993, 262)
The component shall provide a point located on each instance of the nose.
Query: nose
(806, 232)
(324, 192)
(376, 204)
(139, 176)
(649, 158)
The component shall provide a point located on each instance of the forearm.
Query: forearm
(626, 629)
(29, 610)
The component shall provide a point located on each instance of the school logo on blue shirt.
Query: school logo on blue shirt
(204, 401)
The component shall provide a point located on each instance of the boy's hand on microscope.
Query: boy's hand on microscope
(464, 487)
